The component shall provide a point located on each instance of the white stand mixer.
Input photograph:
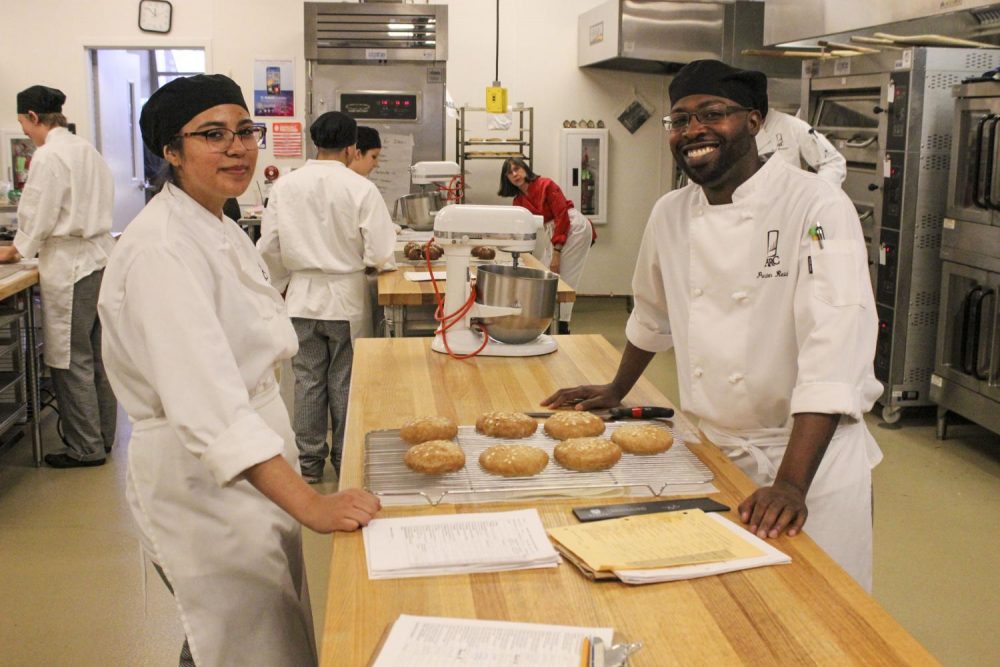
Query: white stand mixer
(457, 228)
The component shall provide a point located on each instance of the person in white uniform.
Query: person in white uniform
(796, 142)
(194, 332)
(364, 156)
(64, 217)
(324, 225)
(756, 275)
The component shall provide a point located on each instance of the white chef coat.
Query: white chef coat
(192, 333)
(795, 141)
(323, 225)
(64, 217)
(759, 335)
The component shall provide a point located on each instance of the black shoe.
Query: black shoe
(67, 461)
(107, 450)
(563, 328)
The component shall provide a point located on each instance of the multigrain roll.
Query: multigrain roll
(573, 424)
(435, 457)
(506, 424)
(513, 460)
(587, 454)
(643, 439)
(423, 429)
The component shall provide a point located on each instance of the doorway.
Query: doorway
(122, 80)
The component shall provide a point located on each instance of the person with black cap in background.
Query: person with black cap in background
(193, 333)
(64, 217)
(364, 157)
(757, 275)
(324, 225)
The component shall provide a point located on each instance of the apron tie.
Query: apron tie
(752, 443)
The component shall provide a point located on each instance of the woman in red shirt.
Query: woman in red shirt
(570, 233)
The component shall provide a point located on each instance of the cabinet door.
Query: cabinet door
(989, 351)
(961, 324)
(583, 173)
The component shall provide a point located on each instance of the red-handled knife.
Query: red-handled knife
(641, 412)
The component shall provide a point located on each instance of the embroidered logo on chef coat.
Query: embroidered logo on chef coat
(772, 259)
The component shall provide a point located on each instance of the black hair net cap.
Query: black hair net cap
(172, 106)
(747, 88)
(40, 99)
(334, 130)
(368, 138)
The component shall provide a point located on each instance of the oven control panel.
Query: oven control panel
(380, 106)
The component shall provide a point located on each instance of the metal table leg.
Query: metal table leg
(31, 370)
(397, 316)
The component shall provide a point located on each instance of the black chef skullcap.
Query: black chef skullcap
(368, 138)
(712, 77)
(334, 130)
(172, 106)
(40, 99)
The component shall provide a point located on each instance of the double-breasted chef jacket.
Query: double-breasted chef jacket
(765, 322)
(324, 224)
(193, 331)
(64, 217)
(795, 141)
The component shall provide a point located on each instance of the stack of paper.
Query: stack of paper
(423, 641)
(422, 546)
(663, 547)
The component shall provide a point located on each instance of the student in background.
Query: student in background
(65, 218)
(364, 157)
(323, 227)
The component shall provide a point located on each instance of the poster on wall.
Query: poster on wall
(286, 139)
(273, 88)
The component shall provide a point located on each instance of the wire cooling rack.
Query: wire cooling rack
(386, 474)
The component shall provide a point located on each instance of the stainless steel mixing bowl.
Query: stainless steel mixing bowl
(532, 290)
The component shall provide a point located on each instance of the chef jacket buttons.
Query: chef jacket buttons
(698, 372)
(735, 377)
(740, 296)
(698, 291)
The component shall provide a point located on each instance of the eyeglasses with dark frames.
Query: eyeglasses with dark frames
(679, 121)
(220, 139)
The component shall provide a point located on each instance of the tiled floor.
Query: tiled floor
(75, 591)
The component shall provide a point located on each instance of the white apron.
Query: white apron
(573, 257)
(58, 261)
(344, 294)
(839, 499)
(233, 557)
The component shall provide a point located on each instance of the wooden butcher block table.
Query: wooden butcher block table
(809, 612)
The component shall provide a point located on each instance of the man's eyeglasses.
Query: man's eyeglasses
(679, 121)
(219, 139)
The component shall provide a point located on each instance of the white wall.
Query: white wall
(44, 42)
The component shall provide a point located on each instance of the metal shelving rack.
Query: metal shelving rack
(517, 142)
(14, 404)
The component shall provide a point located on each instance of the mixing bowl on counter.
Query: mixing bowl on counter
(532, 290)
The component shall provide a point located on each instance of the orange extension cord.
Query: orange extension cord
(448, 321)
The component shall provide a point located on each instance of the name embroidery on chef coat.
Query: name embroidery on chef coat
(771, 258)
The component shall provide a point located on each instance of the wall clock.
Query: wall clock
(155, 15)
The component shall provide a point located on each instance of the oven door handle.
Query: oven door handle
(864, 143)
(980, 375)
(971, 313)
(977, 162)
(991, 157)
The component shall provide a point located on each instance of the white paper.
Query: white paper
(424, 276)
(423, 641)
(392, 176)
(457, 544)
(771, 557)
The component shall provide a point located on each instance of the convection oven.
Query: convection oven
(966, 376)
(890, 115)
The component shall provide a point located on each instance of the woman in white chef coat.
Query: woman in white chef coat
(757, 276)
(324, 226)
(193, 334)
(570, 233)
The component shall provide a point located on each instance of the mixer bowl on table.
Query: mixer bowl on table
(533, 290)
(417, 210)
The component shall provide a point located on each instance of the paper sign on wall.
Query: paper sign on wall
(287, 138)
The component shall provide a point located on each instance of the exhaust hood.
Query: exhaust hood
(661, 36)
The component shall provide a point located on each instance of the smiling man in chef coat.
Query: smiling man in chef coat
(65, 218)
(756, 274)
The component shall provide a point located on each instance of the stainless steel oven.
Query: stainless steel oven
(890, 115)
(966, 376)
